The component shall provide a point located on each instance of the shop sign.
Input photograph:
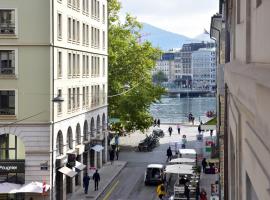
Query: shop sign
(12, 166)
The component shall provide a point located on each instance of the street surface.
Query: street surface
(129, 185)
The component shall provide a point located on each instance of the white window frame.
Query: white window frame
(16, 103)
(16, 61)
(59, 28)
(16, 33)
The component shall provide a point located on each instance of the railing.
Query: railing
(7, 70)
(7, 28)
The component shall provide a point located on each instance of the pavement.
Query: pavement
(107, 174)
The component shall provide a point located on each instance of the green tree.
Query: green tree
(159, 77)
(130, 63)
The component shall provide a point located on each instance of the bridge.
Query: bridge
(189, 92)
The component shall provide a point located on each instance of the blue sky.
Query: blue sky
(186, 17)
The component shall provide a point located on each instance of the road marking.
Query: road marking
(111, 190)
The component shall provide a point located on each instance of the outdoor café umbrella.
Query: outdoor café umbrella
(6, 187)
(179, 169)
(33, 187)
(183, 160)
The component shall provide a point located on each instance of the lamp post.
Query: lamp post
(57, 99)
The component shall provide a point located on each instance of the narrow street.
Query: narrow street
(130, 182)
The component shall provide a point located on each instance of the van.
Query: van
(154, 174)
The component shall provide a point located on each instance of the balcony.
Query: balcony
(7, 28)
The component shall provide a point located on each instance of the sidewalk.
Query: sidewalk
(107, 173)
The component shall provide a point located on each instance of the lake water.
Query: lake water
(176, 109)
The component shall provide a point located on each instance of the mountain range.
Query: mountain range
(167, 40)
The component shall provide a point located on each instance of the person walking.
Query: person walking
(178, 128)
(161, 191)
(86, 180)
(199, 129)
(203, 195)
(170, 130)
(204, 164)
(117, 152)
(112, 156)
(155, 122)
(158, 122)
(96, 178)
(187, 191)
(169, 154)
(184, 142)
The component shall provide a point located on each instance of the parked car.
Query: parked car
(158, 132)
(154, 174)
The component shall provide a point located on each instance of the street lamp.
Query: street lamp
(58, 99)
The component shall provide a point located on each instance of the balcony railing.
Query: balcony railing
(7, 28)
(7, 70)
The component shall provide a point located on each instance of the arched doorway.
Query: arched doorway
(85, 131)
(78, 134)
(78, 177)
(12, 152)
(104, 142)
(59, 175)
(86, 140)
(103, 123)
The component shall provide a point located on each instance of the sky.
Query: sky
(185, 17)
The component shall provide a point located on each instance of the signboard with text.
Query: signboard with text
(14, 166)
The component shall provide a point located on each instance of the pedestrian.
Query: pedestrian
(112, 156)
(178, 128)
(117, 152)
(187, 191)
(203, 195)
(184, 141)
(204, 164)
(158, 122)
(211, 133)
(161, 191)
(170, 130)
(169, 154)
(199, 129)
(86, 180)
(155, 122)
(96, 178)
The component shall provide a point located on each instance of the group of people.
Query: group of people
(157, 122)
(86, 180)
(191, 118)
(114, 152)
(170, 129)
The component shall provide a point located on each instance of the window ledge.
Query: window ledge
(8, 117)
(8, 76)
(14, 36)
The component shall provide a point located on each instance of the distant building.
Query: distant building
(183, 62)
(203, 63)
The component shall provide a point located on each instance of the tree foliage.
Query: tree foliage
(159, 77)
(130, 62)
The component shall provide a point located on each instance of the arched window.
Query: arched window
(78, 134)
(85, 131)
(98, 124)
(103, 122)
(92, 127)
(59, 144)
(69, 139)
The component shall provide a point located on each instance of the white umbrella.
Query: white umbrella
(187, 151)
(183, 160)
(97, 148)
(33, 187)
(179, 169)
(6, 187)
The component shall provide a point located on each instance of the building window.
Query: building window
(78, 65)
(83, 32)
(7, 22)
(83, 100)
(7, 102)
(73, 64)
(69, 139)
(69, 64)
(69, 29)
(87, 34)
(87, 95)
(69, 99)
(59, 144)
(73, 30)
(78, 97)
(103, 67)
(59, 64)
(103, 14)
(83, 65)
(103, 40)
(87, 65)
(59, 26)
(7, 62)
(78, 31)
(59, 105)
(73, 98)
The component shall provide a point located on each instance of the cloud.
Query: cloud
(187, 17)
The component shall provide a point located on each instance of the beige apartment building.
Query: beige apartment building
(52, 50)
(247, 97)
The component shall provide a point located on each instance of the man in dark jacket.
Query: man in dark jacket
(86, 180)
(169, 154)
(96, 178)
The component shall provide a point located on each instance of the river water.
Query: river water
(176, 109)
